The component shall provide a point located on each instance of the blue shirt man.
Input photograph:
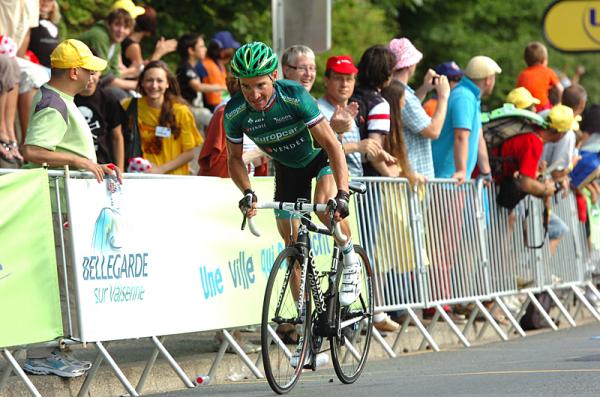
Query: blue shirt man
(461, 145)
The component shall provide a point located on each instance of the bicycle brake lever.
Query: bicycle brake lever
(244, 221)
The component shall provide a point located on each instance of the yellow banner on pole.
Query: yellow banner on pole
(573, 25)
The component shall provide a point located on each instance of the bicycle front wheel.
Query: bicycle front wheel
(350, 350)
(284, 327)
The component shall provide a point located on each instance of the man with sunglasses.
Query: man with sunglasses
(59, 135)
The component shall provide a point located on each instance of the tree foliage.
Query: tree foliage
(449, 30)
(441, 29)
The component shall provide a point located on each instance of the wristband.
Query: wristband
(248, 191)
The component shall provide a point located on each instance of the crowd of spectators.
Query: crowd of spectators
(74, 111)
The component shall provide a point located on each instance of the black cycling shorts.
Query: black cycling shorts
(294, 183)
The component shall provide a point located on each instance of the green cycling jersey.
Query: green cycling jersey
(281, 129)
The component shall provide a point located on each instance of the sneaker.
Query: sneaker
(54, 364)
(321, 359)
(387, 325)
(351, 277)
(71, 359)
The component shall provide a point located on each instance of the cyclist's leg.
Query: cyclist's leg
(325, 190)
(291, 184)
(351, 273)
(283, 226)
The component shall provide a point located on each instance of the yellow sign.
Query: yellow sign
(573, 25)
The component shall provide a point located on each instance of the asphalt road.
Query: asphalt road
(563, 363)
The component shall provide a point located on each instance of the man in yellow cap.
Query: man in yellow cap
(520, 175)
(58, 134)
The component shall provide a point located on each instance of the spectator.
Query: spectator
(104, 116)
(538, 78)
(420, 128)
(453, 72)
(213, 157)
(374, 72)
(519, 176)
(460, 144)
(9, 88)
(395, 143)
(560, 156)
(131, 49)
(220, 51)
(17, 17)
(104, 39)
(58, 135)
(44, 38)
(522, 99)
(167, 128)
(339, 80)
(298, 64)
(192, 51)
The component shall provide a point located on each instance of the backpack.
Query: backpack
(533, 319)
(507, 122)
(498, 126)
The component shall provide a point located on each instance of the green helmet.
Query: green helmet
(252, 60)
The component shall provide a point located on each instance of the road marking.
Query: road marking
(532, 371)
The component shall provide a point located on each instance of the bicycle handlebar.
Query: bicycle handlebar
(299, 208)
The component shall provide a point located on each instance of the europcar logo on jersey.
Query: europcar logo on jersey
(573, 25)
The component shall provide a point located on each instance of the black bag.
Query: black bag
(509, 193)
(131, 132)
(533, 319)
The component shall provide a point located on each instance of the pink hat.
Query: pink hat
(406, 53)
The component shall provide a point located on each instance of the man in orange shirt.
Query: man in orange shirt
(538, 78)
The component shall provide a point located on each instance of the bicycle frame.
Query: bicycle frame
(325, 324)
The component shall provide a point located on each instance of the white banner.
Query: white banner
(167, 256)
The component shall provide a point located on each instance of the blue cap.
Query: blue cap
(449, 69)
(225, 40)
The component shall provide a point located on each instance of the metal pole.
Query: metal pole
(20, 373)
(184, 378)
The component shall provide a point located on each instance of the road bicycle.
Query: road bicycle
(287, 304)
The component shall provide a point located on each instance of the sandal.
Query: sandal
(288, 334)
(14, 150)
(5, 152)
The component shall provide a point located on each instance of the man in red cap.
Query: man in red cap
(339, 80)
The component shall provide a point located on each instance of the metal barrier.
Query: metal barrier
(444, 244)
(433, 245)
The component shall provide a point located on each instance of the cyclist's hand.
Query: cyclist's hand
(341, 210)
(248, 203)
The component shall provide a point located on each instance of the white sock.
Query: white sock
(350, 256)
(378, 317)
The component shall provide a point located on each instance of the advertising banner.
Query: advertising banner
(29, 296)
(159, 257)
(573, 25)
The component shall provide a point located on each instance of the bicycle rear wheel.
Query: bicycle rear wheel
(349, 351)
(283, 327)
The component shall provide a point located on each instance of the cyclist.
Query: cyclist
(285, 122)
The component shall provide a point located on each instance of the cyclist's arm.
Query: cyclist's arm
(237, 169)
(327, 139)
